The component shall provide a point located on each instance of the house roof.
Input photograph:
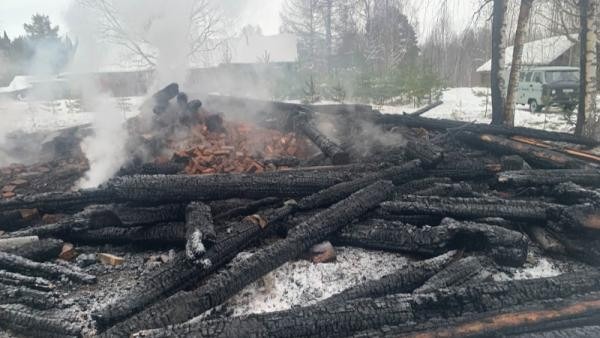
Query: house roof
(538, 52)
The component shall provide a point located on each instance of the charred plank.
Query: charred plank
(457, 273)
(11, 294)
(39, 251)
(13, 317)
(160, 235)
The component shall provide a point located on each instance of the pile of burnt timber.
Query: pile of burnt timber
(463, 200)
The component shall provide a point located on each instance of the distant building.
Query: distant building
(233, 64)
(553, 51)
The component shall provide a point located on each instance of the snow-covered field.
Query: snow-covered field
(474, 105)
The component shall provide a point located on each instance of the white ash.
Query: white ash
(302, 283)
(194, 247)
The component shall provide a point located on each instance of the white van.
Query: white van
(548, 86)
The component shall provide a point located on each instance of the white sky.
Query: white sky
(13, 13)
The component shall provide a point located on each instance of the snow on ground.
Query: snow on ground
(474, 105)
(32, 116)
(301, 283)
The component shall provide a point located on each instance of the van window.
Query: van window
(528, 77)
(522, 77)
(537, 77)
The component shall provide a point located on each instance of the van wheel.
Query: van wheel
(534, 107)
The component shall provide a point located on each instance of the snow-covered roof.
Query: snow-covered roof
(538, 52)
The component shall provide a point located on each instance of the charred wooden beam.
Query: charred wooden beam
(283, 161)
(39, 251)
(585, 177)
(58, 202)
(447, 190)
(185, 188)
(28, 321)
(572, 332)
(576, 218)
(541, 157)
(470, 170)
(139, 216)
(421, 184)
(19, 264)
(11, 294)
(247, 209)
(405, 280)
(417, 220)
(507, 247)
(470, 208)
(585, 250)
(328, 147)
(345, 319)
(160, 235)
(200, 230)
(457, 273)
(11, 278)
(444, 124)
(220, 287)
(429, 154)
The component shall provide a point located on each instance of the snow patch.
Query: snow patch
(301, 283)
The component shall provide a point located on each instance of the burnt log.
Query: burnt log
(160, 235)
(522, 178)
(328, 147)
(544, 158)
(467, 171)
(470, 208)
(458, 273)
(185, 188)
(200, 230)
(58, 202)
(405, 280)
(283, 161)
(585, 250)
(479, 128)
(417, 220)
(220, 287)
(11, 294)
(179, 274)
(247, 209)
(140, 216)
(507, 247)
(41, 325)
(11, 278)
(39, 251)
(417, 185)
(22, 265)
(447, 190)
(576, 218)
(429, 154)
(574, 332)
(345, 319)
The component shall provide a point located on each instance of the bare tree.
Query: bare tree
(513, 82)
(587, 117)
(202, 22)
(498, 63)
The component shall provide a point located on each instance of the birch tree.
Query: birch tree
(515, 69)
(498, 63)
(587, 123)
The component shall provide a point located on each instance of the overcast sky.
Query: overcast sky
(265, 13)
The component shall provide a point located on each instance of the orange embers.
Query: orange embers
(242, 149)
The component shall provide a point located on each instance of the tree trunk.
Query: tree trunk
(498, 62)
(513, 82)
(586, 117)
